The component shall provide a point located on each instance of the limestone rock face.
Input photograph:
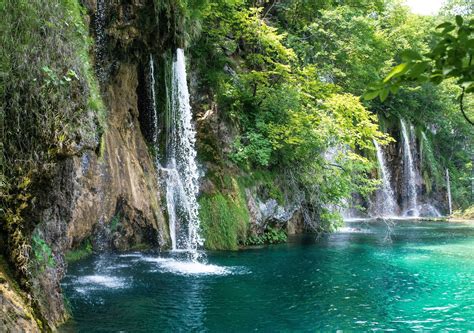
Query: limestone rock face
(108, 195)
(88, 192)
(15, 313)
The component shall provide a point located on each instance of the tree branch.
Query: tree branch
(461, 106)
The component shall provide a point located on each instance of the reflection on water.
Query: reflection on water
(402, 275)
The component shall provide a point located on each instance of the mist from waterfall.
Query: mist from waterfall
(386, 205)
(411, 206)
(181, 172)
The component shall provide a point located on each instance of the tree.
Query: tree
(450, 57)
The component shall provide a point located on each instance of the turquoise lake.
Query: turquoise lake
(371, 275)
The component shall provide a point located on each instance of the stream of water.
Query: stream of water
(181, 172)
(411, 206)
(399, 275)
(386, 205)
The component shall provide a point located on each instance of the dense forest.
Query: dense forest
(298, 109)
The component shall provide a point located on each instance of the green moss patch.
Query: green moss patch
(84, 250)
(224, 218)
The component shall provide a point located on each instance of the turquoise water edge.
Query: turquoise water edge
(371, 275)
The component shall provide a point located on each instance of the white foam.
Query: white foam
(131, 255)
(178, 267)
(359, 219)
(439, 308)
(194, 268)
(350, 230)
(106, 281)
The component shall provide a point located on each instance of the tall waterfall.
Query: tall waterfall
(153, 113)
(100, 39)
(181, 172)
(448, 189)
(409, 173)
(386, 204)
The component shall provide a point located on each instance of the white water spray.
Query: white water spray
(448, 189)
(154, 117)
(386, 204)
(100, 39)
(409, 172)
(181, 169)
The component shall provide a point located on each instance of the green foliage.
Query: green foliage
(224, 218)
(450, 57)
(467, 214)
(82, 251)
(42, 252)
(270, 236)
(115, 222)
(254, 149)
(285, 87)
(50, 105)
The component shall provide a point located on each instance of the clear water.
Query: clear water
(403, 276)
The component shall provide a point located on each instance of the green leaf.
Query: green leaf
(394, 89)
(417, 69)
(467, 85)
(371, 95)
(459, 20)
(396, 71)
(447, 70)
(383, 94)
(409, 55)
(445, 31)
(436, 78)
(445, 25)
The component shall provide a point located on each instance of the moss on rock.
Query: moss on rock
(224, 218)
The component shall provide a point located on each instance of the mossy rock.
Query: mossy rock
(224, 218)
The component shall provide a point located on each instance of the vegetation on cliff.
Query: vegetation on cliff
(51, 109)
(51, 105)
(285, 78)
(287, 75)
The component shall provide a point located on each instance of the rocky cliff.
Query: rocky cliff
(102, 192)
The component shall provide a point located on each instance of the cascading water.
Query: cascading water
(411, 206)
(181, 172)
(448, 190)
(386, 204)
(100, 39)
(154, 117)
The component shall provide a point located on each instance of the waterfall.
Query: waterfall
(386, 204)
(409, 172)
(181, 172)
(100, 39)
(154, 117)
(448, 189)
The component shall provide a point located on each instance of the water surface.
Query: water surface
(369, 276)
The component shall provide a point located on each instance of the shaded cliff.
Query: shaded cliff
(92, 183)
